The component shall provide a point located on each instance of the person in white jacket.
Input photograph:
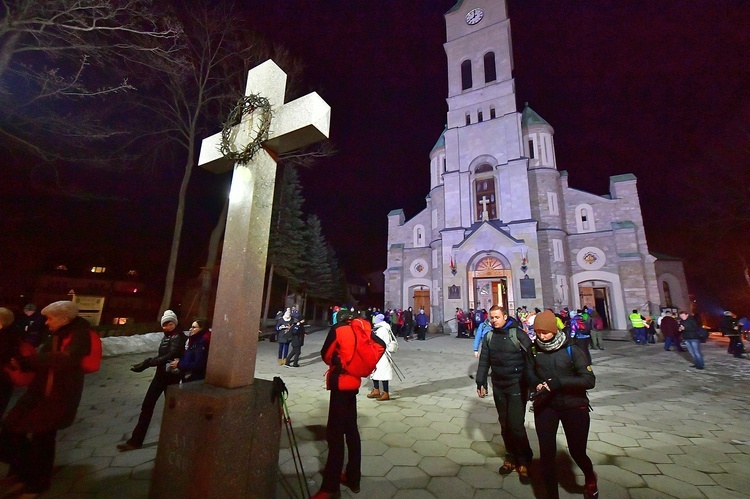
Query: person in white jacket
(383, 370)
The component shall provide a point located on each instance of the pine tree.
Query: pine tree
(318, 279)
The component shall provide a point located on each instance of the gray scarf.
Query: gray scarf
(555, 343)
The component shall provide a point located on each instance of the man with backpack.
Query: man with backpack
(506, 350)
(351, 352)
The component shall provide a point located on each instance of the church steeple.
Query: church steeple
(539, 145)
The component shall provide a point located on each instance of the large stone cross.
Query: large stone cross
(304, 121)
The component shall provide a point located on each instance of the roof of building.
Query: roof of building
(441, 140)
(455, 7)
(625, 177)
(530, 117)
(625, 224)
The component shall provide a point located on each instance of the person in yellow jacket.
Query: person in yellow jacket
(639, 324)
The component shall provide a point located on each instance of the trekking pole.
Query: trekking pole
(281, 390)
(395, 367)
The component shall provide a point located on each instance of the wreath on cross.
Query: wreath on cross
(245, 106)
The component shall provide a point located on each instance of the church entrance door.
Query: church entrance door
(489, 292)
(422, 300)
(596, 297)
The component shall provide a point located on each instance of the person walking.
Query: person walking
(408, 323)
(689, 328)
(506, 356)
(639, 325)
(670, 328)
(383, 370)
(297, 340)
(731, 329)
(171, 347)
(29, 431)
(597, 325)
(563, 374)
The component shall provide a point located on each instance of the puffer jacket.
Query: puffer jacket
(507, 364)
(171, 347)
(567, 375)
(339, 344)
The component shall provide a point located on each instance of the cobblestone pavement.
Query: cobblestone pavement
(659, 428)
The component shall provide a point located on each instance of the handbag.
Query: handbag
(393, 344)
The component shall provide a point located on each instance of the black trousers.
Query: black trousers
(31, 459)
(158, 385)
(576, 424)
(583, 344)
(342, 424)
(511, 410)
(293, 358)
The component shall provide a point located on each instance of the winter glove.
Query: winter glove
(139, 368)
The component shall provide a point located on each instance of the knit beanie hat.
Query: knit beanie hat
(546, 321)
(379, 318)
(169, 316)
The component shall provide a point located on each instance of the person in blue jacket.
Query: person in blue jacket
(192, 365)
(481, 331)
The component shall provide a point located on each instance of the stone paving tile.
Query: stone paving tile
(673, 487)
(449, 488)
(439, 466)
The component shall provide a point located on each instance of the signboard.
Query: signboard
(528, 289)
(90, 308)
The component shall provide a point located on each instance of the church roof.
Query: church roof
(530, 117)
(455, 7)
(441, 141)
(625, 177)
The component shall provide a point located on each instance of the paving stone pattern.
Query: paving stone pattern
(659, 428)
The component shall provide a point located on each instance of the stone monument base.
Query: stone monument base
(218, 442)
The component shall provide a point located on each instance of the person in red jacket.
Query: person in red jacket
(342, 412)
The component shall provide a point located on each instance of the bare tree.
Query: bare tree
(56, 54)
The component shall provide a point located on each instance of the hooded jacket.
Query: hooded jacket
(339, 344)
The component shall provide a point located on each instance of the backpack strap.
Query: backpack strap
(512, 334)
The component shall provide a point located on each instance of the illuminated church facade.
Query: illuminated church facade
(501, 223)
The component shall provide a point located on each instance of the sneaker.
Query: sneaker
(590, 490)
(354, 487)
(523, 474)
(507, 468)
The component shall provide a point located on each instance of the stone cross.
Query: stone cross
(304, 121)
(485, 214)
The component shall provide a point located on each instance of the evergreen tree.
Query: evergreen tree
(338, 292)
(318, 279)
(286, 244)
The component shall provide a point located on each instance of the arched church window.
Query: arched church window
(480, 117)
(489, 264)
(466, 82)
(667, 294)
(485, 168)
(486, 205)
(489, 67)
(492, 113)
(585, 218)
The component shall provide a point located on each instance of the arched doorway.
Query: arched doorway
(490, 283)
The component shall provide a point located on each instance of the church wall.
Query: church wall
(673, 272)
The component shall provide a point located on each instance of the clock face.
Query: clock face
(474, 16)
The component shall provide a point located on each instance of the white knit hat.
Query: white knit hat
(169, 316)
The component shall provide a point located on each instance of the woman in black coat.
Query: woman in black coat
(171, 347)
(564, 374)
(297, 334)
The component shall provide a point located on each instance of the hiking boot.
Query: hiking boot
(507, 468)
(383, 396)
(354, 487)
(375, 393)
(590, 490)
(523, 474)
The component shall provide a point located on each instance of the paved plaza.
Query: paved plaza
(659, 428)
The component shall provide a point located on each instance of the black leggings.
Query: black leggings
(341, 429)
(576, 424)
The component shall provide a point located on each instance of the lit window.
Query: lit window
(61, 267)
(98, 270)
(132, 272)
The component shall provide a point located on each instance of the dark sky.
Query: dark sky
(657, 88)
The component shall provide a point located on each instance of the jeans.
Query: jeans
(640, 335)
(668, 343)
(376, 385)
(694, 347)
(511, 408)
(283, 350)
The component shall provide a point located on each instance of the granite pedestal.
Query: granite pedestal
(218, 442)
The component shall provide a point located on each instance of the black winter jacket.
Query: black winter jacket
(171, 347)
(510, 365)
(568, 375)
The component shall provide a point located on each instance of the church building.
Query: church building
(501, 223)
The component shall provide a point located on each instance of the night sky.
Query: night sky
(654, 88)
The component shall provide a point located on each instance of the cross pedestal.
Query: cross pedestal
(221, 438)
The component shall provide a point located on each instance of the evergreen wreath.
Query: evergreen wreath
(246, 105)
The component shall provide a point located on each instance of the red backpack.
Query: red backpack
(368, 349)
(91, 362)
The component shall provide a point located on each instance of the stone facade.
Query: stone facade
(501, 224)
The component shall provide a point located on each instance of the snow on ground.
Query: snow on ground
(139, 343)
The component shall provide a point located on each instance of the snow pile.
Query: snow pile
(139, 343)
